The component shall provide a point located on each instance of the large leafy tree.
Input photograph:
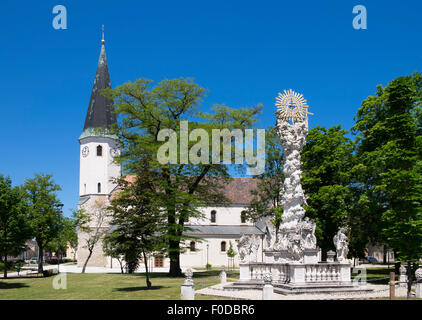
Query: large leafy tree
(183, 186)
(42, 203)
(14, 226)
(137, 220)
(67, 235)
(326, 161)
(388, 128)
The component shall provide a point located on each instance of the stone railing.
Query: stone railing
(322, 272)
(280, 272)
(299, 273)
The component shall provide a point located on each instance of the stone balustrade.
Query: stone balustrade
(297, 273)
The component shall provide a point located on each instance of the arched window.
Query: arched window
(99, 187)
(213, 216)
(223, 246)
(192, 246)
(99, 151)
(243, 217)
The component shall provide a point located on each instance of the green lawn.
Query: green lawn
(104, 287)
(377, 273)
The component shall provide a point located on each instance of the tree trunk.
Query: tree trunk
(40, 258)
(174, 254)
(5, 266)
(384, 255)
(121, 265)
(86, 261)
(146, 269)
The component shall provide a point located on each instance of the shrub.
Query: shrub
(11, 265)
(50, 272)
(208, 266)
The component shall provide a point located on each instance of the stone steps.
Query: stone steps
(311, 288)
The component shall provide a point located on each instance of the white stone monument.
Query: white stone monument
(291, 256)
(403, 276)
(268, 289)
(418, 276)
(223, 275)
(187, 291)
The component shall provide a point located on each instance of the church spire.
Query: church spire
(99, 114)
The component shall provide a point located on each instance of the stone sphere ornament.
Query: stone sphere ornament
(418, 274)
(402, 270)
(268, 278)
(188, 274)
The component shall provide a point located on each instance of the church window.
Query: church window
(243, 217)
(192, 246)
(99, 187)
(99, 151)
(213, 216)
(159, 261)
(223, 246)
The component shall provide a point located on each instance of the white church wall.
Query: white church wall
(230, 215)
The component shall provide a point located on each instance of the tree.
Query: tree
(388, 129)
(327, 159)
(67, 229)
(113, 248)
(266, 201)
(94, 226)
(137, 220)
(14, 226)
(231, 253)
(43, 216)
(181, 186)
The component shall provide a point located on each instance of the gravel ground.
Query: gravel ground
(381, 291)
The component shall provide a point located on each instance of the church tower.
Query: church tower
(98, 146)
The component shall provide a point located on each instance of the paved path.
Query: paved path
(381, 291)
(73, 268)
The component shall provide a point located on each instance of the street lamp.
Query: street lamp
(59, 211)
(207, 253)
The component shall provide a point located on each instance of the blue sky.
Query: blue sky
(244, 52)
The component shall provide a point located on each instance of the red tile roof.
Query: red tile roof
(238, 190)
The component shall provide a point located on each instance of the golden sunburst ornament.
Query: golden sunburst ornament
(292, 105)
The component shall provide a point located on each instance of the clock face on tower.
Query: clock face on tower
(85, 151)
(114, 152)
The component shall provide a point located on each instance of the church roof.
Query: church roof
(197, 230)
(99, 114)
(238, 190)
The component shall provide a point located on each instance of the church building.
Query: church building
(221, 226)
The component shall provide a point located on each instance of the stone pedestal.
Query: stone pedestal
(187, 292)
(345, 272)
(297, 273)
(244, 272)
(403, 276)
(419, 290)
(268, 292)
(330, 256)
(310, 256)
(223, 277)
(418, 276)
